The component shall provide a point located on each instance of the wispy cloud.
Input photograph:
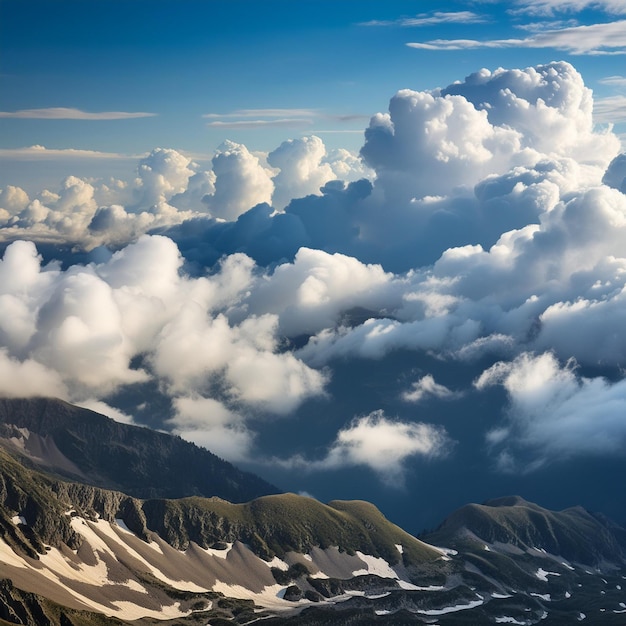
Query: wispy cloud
(64, 113)
(33, 153)
(275, 118)
(290, 122)
(426, 19)
(614, 81)
(265, 113)
(593, 39)
(550, 7)
(611, 109)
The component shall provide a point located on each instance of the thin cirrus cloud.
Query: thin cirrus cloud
(290, 122)
(274, 118)
(38, 153)
(549, 7)
(614, 81)
(593, 39)
(241, 119)
(65, 113)
(424, 19)
(611, 109)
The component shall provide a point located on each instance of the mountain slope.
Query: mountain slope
(82, 445)
(92, 549)
(78, 554)
(574, 533)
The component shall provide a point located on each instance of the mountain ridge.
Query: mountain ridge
(105, 453)
(79, 554)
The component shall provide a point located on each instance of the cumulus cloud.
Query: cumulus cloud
(425, 387)
(301, 169)
(382, 444)
(85, 326)
(241, 181)
(23, 379)
(554, 412)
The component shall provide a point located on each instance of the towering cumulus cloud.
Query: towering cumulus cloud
(482, 226)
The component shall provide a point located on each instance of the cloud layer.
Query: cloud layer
(482, 223)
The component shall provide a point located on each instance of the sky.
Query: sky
(366, 250)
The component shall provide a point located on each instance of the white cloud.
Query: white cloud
(425, 387)
(240, 182)
(286, 122)
(41, 153)
(281, 113)
(615, 81)
(595, 39)
(611, 109)
(380, 443)
(62, 113)
(549, 7)
(208, 423)
(104, 409)
(426, 19)
(554, 413)
(87, 324)
(301, 169)
(23, 379)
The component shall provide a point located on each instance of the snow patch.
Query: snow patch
(543, 596)
(19, 519)
(568, 594)
(501, 596)
(220, 554)
(508, 620)
(375, 565)
(277, 563)
(452, 609)
(542, 574)
(399, 548)
(581, 617)
(271, 597)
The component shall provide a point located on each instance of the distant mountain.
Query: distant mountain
(76, 553)
(79, 444)
(575, 534)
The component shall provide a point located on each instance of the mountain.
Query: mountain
(575, 534)
(79, 444)
(76, 552)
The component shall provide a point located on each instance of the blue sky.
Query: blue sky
(266, 71)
